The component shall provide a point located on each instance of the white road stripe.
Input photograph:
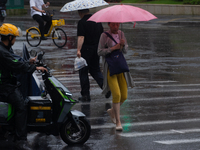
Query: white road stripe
(139, 134)
(64, 76)
(164, 98)
(177, 131)
(183, 141)
(161, 90)
(75, 77)
(147, 123)
(169, 81)
(68, 79)
(144, 99)
(174, 85)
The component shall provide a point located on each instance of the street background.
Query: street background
(162, 110)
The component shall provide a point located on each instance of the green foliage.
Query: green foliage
(193, 2)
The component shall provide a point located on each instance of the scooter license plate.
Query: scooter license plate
(3, 13)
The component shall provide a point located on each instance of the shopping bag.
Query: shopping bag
(79, 63)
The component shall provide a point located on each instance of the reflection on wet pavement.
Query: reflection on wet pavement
(164, 63)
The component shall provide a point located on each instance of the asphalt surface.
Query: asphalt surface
(187, 20)
(162, 110)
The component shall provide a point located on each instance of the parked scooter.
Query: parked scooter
(50, 113)
(2, 10)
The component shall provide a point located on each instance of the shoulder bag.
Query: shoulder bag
(116, 62)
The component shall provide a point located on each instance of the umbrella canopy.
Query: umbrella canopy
(121, 13)
(82, 4)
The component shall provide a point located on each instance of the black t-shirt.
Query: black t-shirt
(90, 30)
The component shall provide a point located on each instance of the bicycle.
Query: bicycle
(59, 37)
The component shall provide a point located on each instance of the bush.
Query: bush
(193, 2)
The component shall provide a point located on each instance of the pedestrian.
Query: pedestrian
(9, 87)
(88, 33)
(117, 83)
(2, 10)
(38, 14)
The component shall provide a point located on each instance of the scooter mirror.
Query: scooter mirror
(40, 55)
(33, 53)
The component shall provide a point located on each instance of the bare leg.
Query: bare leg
(112, 115)
(116, 108)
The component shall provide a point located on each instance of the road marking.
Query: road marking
(68, 79)
(174, 85)
(161, 90)
(183, 141)
(147, 123)
(154, 133)
(75, 77)
(164, 98)
(171, 20)
(63, 76)
(177, 131)
(145, 99)
(151, 82)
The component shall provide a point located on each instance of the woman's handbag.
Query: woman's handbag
(116, 61)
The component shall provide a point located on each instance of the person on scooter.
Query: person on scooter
(9, 87)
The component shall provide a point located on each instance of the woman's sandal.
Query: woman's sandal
(112, 119)
(119, 128)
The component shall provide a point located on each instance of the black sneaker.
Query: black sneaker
(84, 98)
(108, 94)
(22, 145)
(43, 38)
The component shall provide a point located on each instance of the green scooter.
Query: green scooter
(50, 113)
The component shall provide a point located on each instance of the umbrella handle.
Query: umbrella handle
(121, 47)
(134, 24)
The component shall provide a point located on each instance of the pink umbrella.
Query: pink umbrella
(121, 13)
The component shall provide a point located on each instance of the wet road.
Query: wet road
(162, 110)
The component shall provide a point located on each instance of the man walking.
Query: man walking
(88, 33)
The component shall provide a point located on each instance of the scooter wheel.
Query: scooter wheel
(71, 136)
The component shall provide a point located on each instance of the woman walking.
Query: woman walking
(118, 83)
